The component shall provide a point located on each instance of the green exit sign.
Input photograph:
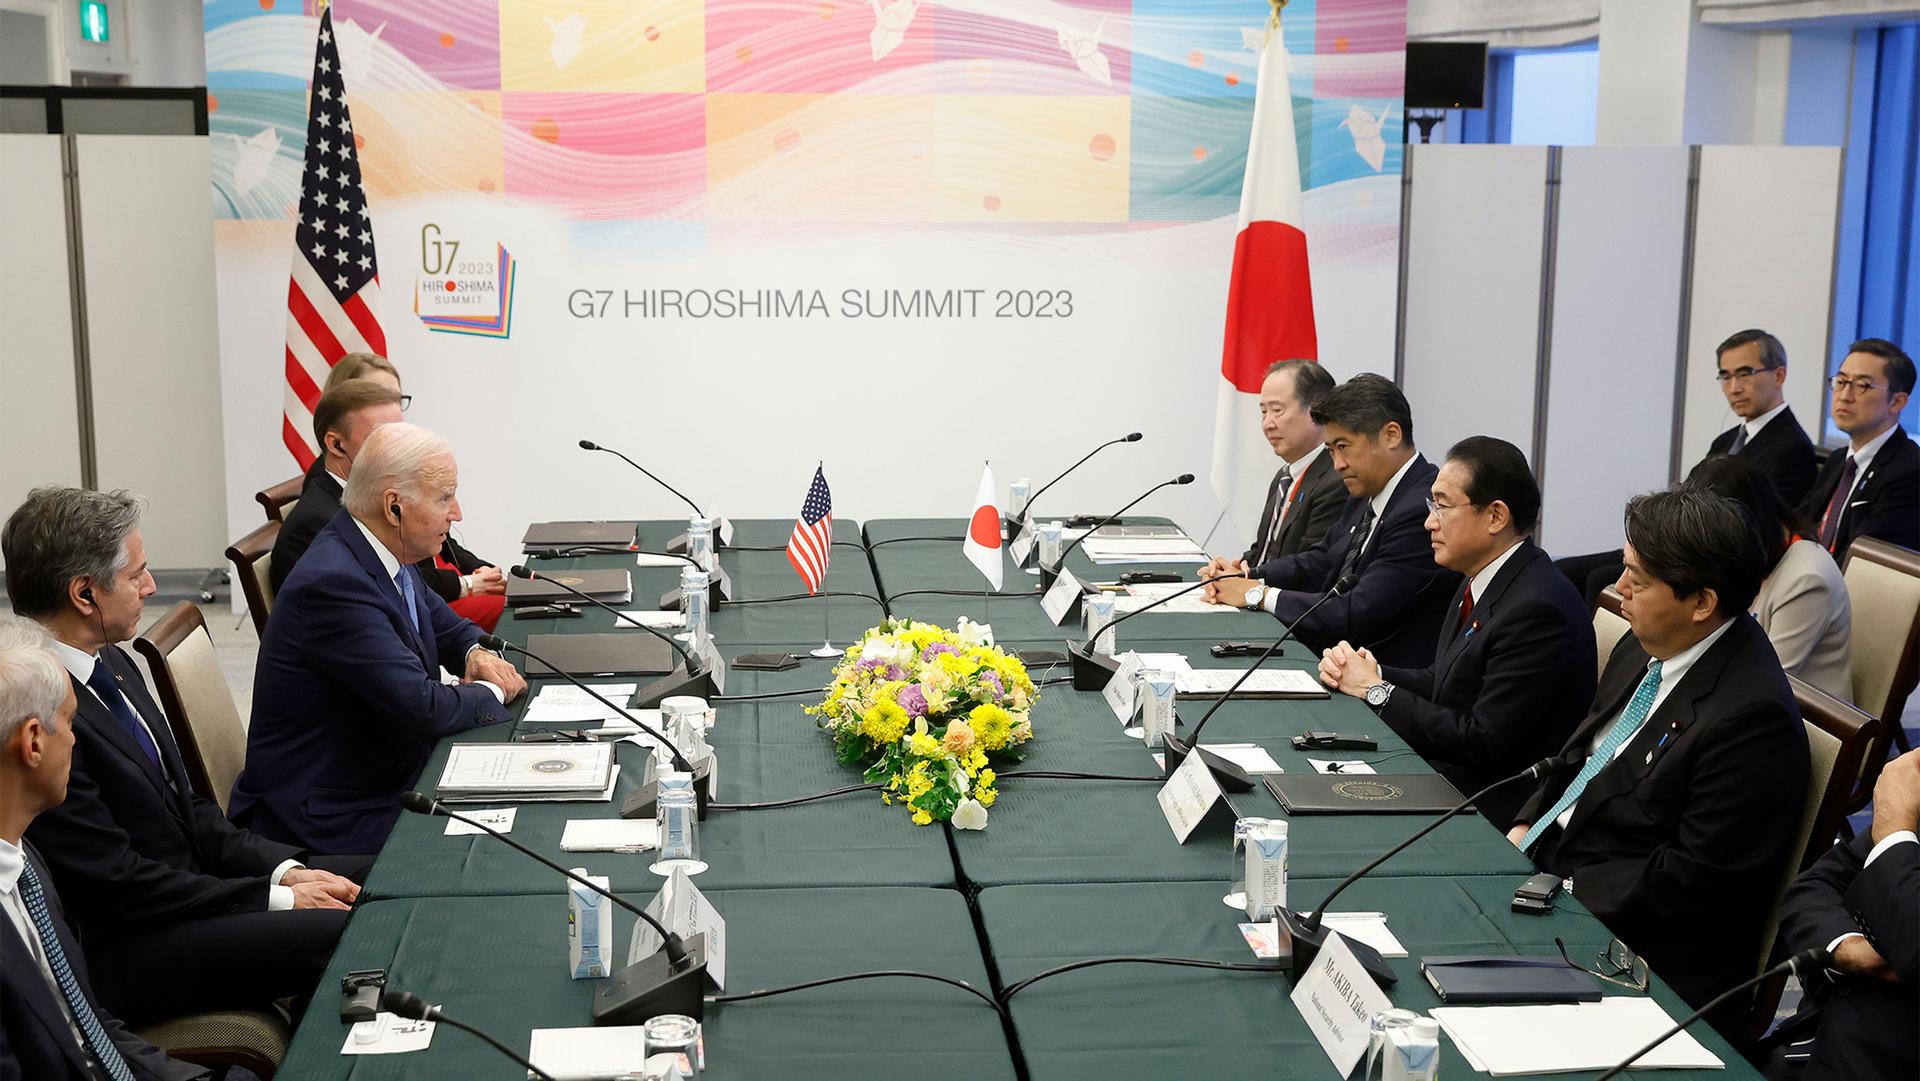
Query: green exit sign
(93, 20)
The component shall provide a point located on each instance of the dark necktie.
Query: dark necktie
(1837, 506)
(1359, 542)
(1739, 440)
(99, 1044)
(107, 687)
(1276, 510)
(1466, 608)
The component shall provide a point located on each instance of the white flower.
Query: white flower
(969, 815)
(975, 634)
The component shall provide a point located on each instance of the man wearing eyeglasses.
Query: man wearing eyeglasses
(1873, 488)
(1751, 368)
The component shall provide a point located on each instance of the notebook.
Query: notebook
(612, 585)
(566, 534)
(1379, 793)
(1481, 979)
(626, 653)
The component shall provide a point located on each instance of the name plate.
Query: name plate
(1189, 796)
(683, 909)
(1337, 999)
(722, 528)
(1121, 689)
(716, 664)
(1061, 600)
(1022, 546)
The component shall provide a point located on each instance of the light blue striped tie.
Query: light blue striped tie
(1630, 721)
(405, 582)
(98, 1042)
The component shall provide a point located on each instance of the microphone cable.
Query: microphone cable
(747, 996)
(1013, 989)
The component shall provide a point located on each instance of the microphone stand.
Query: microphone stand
(677, 545)
(1231, 777)
(1048, 574)
(414, 1008)
(1802, 964)
(690, 677)
(1017, 527)
(1092, 670)
(669, 980)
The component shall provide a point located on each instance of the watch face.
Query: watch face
(1377, 695)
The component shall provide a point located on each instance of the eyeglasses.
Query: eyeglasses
(1861, 387)
(405, 401)
(1437, 508)
(1617, 965)
(1743, 374)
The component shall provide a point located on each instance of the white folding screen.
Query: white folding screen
(1762, 257)
(39, 434)
(1472, 321)
(1620, 240)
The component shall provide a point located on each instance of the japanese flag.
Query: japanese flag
(983, 530)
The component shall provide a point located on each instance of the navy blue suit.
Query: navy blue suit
(36, 1043)
(347, 701)
(1506, 689)
(1396, 606)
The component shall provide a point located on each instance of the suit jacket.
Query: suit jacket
(1396, 606)
(1678, 844)
(1317, 501)
(1864, 1029)
(319, 502)
(36, 1043)
(128, 847)
(1506, 690)
(1781, 450)
(347, 703)
(1885, 501)
(1804, 607)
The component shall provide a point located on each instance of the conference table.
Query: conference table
(1067, 869)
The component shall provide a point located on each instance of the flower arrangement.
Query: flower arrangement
(925, 710)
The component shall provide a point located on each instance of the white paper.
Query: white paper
(1195, 603)
(391, 1035)
(585, 1054)
(1340, 765)
(1187, 797)
(1292, 682)
(648, 559)
(1167, 662)
(610, 835)
(500, 818)
(602, 796)
(1248, 756)
(684, 910)
(1059, 600)
(653, 617)
(1367, 927)
(563, 703)
(1337, 999)
(1121, 688)
(1570, 1037)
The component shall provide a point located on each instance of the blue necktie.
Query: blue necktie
(405, 582)
(98, 1042)
(1630, 721)
(108, 689)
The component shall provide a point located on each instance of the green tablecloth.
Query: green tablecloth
(1150, 1022)
(499, 963)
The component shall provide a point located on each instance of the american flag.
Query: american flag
(811, 546)
(333, 300)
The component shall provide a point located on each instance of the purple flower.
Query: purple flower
(894, 671)
(927, 655)
(868, 665)
(992, 679)
(913, 700)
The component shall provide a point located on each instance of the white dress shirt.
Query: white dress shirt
(1483, 581)
(1672, 671)
(1753, 426)
(81, 665)
(1863, 457)
(12, 860)
(391, 564)
(1297, 469)
(1898, 837)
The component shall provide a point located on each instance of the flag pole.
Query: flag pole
(827, 648)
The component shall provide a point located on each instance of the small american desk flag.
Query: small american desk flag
(333, 301)
(811, 546)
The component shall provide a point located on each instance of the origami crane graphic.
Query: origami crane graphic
(1365, 129)
(356, 50)
(566, 38)
(1086, 53)
(256, 158)
(890, 22)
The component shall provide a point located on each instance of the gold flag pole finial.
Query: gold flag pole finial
(1274, 22)
(320, 7)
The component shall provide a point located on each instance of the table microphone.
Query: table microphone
(1184, 478)
(690, 676)
(641, 803)
(1803, 964)
(1091, 670)
(1130, 437)
(1231, 777)
(1302, 936)
(678, 544)
(414, 1008)
(669, 980)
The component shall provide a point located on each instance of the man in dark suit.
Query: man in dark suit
(1861, 903)
(347, 703)
(1752, 373)
(52, 1027)
(342, 420)
(1872, 488)
(1395, 605)
(1680, 823)
(1513, 672)
(181, 910)
(1305, 495)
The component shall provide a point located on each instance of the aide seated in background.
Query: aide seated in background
(1306, 495)
(1870, 488)
(1514, 668)
(1802, 604)
(472, 587)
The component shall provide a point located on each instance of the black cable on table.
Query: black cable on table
(891, 597)
(830, 980)
(804, 596)
(1180, 962)
(1072, 775)
(765, 694)
(794, 801)
(902, 540)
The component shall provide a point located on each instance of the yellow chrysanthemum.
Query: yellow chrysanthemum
(885, 722)
(923, 745)
(992, 725)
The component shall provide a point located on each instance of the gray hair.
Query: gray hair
(60, 534)
(394, 456)
(33, 683)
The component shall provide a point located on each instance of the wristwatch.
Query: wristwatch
(1378, 694)
(1256, 596)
